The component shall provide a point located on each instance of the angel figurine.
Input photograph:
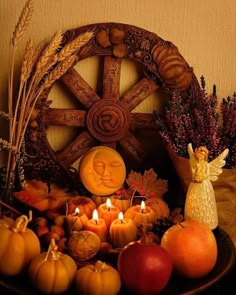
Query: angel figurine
(200, 201)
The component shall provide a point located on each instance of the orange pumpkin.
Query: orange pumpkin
(52, 272)
(18, 246)
(160, 207)
(99, 278)
(85, 205)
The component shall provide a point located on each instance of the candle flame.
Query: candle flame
(143, 206)
(76, 211)
(95, 215)
(121, 216)
(108, 203)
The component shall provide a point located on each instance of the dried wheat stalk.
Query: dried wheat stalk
(41, 67)
(21, 25)
(22, 22)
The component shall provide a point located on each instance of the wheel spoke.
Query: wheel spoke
(79, 88)
(142, 121)
(139, 92)
(111, 79)
(133, 147)
(76, 149)
(65, 117)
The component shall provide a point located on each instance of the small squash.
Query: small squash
(97, 279)
(52, 272)
(18, 246)
(83, 245)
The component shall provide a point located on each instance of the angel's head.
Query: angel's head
(201, 153)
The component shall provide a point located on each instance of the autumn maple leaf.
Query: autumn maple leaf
(147, 184)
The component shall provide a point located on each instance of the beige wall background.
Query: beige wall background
(203, 30)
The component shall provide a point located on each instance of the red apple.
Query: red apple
(144, 268)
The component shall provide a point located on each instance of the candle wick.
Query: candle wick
(142, 210)
(95, 220)
(109, 209)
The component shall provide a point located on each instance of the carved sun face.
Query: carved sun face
(102, 170)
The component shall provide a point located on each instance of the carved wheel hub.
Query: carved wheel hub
(108, 120)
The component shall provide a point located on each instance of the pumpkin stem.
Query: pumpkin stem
(52, 250)
(22, 223)
(99, 266)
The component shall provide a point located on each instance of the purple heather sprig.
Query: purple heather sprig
(227, 129)
(196, 120)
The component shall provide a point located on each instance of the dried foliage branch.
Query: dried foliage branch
(197, 120)
(41, 67)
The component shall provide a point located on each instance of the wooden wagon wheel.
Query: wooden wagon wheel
(107, 118)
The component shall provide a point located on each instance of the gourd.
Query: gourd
(83, 245)
(97, 279)
(172, 67)
(52, 272)
(18, 246)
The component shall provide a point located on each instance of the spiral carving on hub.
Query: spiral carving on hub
(108, 120)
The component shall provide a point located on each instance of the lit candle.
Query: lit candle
(108, 212)
(76, 221)
(141, 214)
(122, 231)
(98, 226)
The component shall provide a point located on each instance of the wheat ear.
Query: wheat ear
(49, 51)
(74, 45)
(22, 22)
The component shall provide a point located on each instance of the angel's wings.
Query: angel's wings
(191, 157)
(215, 166)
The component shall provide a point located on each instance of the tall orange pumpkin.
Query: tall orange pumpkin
(18, 246)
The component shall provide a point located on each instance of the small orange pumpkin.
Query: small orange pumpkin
(160, 207)
(18, 246)
(85, 205)
(99, 278)
(52, 272)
